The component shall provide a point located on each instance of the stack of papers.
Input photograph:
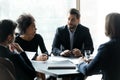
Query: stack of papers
(65, 64)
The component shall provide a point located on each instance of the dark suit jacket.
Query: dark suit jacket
(23, 67)
(82, 39)
(107, 61)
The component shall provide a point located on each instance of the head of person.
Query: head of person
(7, 30)
(73, 18)
(26, 24)
(112, 25)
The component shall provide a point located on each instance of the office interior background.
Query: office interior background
(50, 14)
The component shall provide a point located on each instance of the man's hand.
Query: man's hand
(77, 53)
(66, 53)
(15, 46)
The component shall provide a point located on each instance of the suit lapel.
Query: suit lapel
(76, 34)
(67, 38)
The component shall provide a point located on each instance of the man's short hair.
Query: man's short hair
(75, 12)
(7, 27)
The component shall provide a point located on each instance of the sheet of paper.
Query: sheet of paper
(76, 60)
(30, 54)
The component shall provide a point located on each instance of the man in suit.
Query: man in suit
(72, 39)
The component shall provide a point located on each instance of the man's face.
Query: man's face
(73, 21)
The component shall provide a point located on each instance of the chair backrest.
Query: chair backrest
(7, 70)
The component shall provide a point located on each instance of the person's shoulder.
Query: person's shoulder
(2, 48)
(109, 44)
(18, 38)
(37, 36)
(62, 28)
(3, 51)
(82, 27)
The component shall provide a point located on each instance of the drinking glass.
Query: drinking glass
(87, 54)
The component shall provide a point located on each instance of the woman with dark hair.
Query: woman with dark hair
(23, 67)
(28, 39)
(108, 56)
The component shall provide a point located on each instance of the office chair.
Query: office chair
(7, 70)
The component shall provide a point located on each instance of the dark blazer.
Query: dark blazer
(23, 67)
(107, 61)
(82, 39)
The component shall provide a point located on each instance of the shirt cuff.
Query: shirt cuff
(82, 68)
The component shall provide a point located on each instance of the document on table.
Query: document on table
(30, 55)
(76, 60)
(64, 64)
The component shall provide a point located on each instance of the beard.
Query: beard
(72, 27)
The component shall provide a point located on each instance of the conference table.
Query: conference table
(42, 66)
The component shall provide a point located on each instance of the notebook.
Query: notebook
(65, 64)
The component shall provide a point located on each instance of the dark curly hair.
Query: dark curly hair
(24, 21)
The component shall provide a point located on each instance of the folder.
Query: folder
(65, 64)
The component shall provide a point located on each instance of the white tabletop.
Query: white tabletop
(42, 66)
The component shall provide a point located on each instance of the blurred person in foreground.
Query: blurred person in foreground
(12, 51)
(107, 59)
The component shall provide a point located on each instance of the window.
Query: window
(93, 14)
(49, 14)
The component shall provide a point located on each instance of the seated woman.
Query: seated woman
(28, 39)
(23, 67)
(108, 56)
